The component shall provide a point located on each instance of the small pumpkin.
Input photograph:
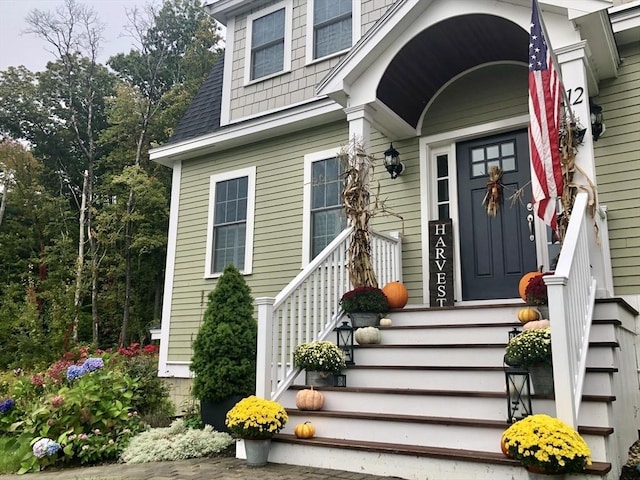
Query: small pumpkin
(367, 335)
(309, 399)
(528, 315)
(536, 324)
(503, 447)
(524, 281)
(396, 293)
(304, 430)
(385, 322)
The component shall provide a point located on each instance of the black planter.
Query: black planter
(215, 413)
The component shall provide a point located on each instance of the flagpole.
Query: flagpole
(567, 105)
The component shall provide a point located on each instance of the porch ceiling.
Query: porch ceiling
(438, 54)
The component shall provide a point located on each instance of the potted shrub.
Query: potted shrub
(224, 351)
(256, 421)
(544, 444)
(532, 349)
(320, 360)
(364, 306)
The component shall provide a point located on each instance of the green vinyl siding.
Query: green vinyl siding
(618, 169)
(485, 95)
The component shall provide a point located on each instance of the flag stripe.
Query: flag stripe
(544, 111)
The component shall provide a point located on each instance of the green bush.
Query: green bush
(224, 351)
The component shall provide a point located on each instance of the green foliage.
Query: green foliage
(224, 351)
(177, 442)
(364, 299)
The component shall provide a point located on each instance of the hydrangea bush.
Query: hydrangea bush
(319, 357)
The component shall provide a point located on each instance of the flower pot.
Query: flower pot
(364, 319)
(541, 379)
(540, 474)
(215, 413)
(257, 451)
(319, 379)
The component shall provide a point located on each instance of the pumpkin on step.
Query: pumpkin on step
(309, 399)
(536, 324)
(385, 322)
(524, 281)
(528, 315)
(304, 430)
(396, 293)
(367, 335)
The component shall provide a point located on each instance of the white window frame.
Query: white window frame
(288, 29)
(250, 173)
(355, 32)
(306, 198)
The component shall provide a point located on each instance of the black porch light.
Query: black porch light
(345, 341)
(514, 332)
(597, 120)
(518, 393)
(392, 162)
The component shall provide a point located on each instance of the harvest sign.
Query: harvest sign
(440, 263)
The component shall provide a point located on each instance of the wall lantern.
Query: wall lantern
(513, 333)
(345, 341)
(392, 162)
(597, 120)
(518, 393)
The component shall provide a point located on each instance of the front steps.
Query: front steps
(429, 401)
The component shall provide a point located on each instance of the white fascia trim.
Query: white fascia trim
(176, 369)
(225, 101)
(625, 16)
(306, 198)
(263, 127)
(165, 326)
(250, 173)
(287, 5)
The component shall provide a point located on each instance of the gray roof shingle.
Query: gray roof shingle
(203, 115)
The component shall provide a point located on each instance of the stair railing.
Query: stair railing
(307, 309)
(572, 291)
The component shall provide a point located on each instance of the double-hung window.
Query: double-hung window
(268, 42)
(332, 26)
(230, 225)
(324, 212)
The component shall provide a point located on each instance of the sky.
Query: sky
(18, 48)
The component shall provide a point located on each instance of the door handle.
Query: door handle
(530, 222)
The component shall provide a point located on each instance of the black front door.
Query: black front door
(494, 251)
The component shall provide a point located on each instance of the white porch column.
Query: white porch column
(264, 354)
(360, 118)
(580, 83)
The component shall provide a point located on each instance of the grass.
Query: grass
(11, 457)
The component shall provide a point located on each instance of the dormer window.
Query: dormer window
(269, 42)
(332, 27)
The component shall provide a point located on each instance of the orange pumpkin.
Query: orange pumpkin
(524, 281)
(528, 315)
(309, 399)
(504, 448)
(396, 293)
(304, 430)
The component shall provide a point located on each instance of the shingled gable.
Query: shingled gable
(203, 115)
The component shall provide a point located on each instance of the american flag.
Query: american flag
(545, 88)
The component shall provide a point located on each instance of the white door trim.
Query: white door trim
(429, 147)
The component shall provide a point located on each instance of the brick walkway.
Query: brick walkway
(195, 469)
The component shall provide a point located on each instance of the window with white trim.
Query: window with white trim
(332, 27)
(230, 224)
(268, 42)
(324, 216)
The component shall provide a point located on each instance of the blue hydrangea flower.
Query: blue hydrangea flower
(93, 363)
(45, 447)
(75, 371)
(6, 405)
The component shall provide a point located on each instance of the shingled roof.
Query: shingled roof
(203, 115)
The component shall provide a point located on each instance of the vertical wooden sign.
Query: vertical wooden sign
(441, 263)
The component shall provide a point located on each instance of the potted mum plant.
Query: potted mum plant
(320, 360)
(364, 306)
(532, 349)
(544, 444)
(256, 421)
(224, 351)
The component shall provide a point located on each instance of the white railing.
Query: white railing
(308, 308)
(572, 291)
